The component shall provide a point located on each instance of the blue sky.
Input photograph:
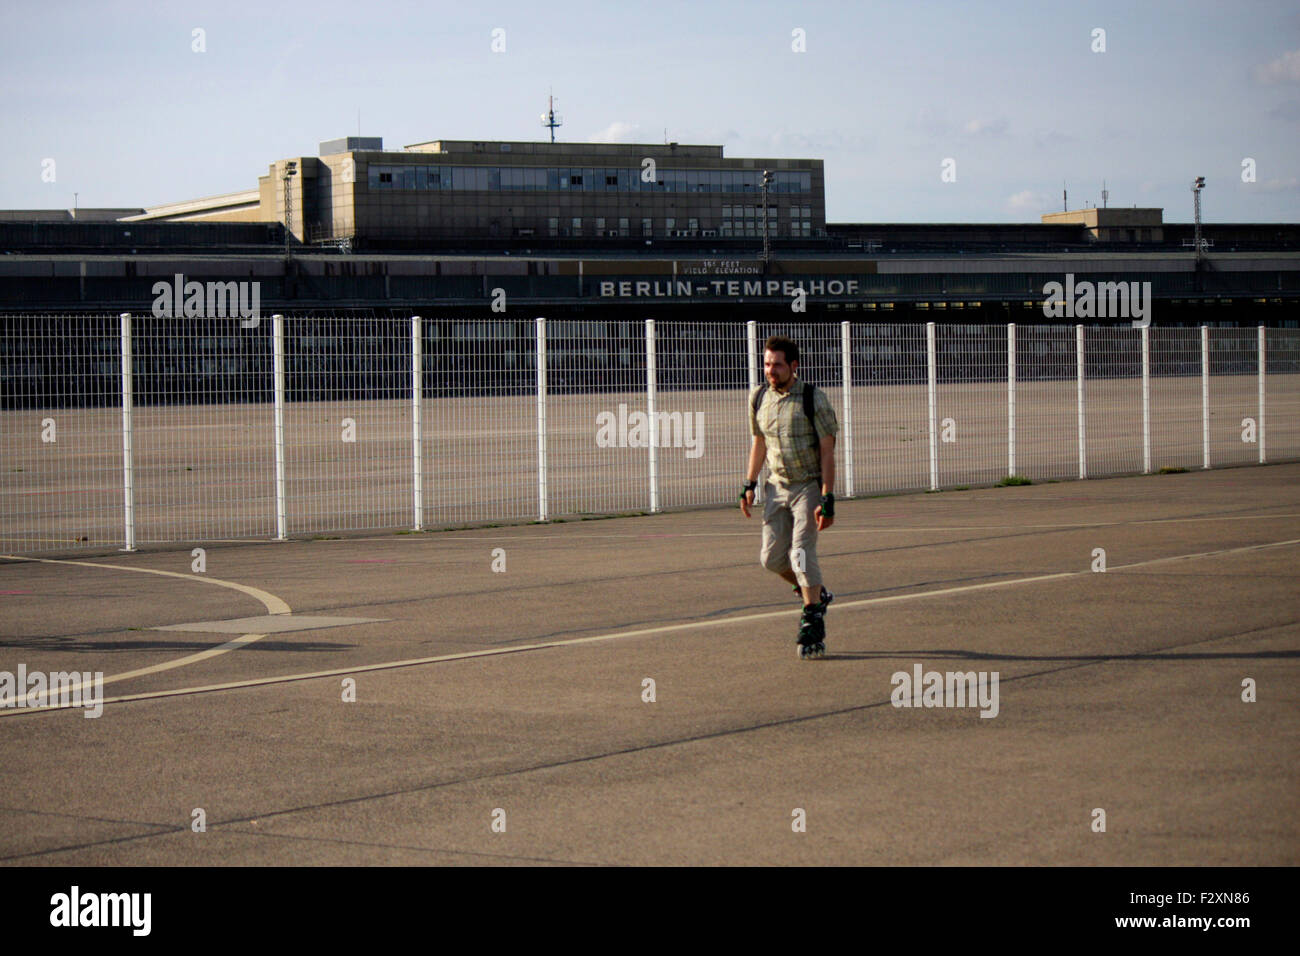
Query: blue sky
(884, 92)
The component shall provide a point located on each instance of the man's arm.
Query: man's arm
(757, 455)
(825, 520)
(828, 464)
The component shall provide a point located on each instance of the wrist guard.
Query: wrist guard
(749, 486)
(828, 506)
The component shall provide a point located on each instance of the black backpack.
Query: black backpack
(809, 406)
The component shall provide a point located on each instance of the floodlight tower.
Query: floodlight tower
(1197, 185)
(767, 244)
(549, 119)
(290, 170)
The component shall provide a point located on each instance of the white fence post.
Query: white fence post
(650, 411)
(751, 346)
(277, 375)
(846, 427)
(1083, 441)
(932, 395)
(541, 420)
(1146, 400)
(417, 396)
(1262, 458)
(128, 455)
(1011, 398)
(751, 340)
(1205, 396)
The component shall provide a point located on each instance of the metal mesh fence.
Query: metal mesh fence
(478, 449)
(1176, 413)
(1047, 416)
(331, 423)
(1282, 398)
(1234, 395)
(890, 417)
(701, 389)
(1113, 400)
(61, 481)
(204, 459)
(347, 424)
(971, 404)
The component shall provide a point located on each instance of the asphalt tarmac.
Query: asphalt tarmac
(626, 691)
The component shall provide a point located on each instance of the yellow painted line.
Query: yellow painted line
(839, 529)
(273, 604)
(237, 643)
(668, 628)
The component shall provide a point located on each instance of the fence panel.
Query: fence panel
(890, 417)
(702, 390)
(1282, 362)
(972, 404)
(1047, 436)
(1234, 397)
(1113, 400)
(1175, 398)
(479, 418)
(597, 429)
(203, 433)
(61, 433)
(347, 424)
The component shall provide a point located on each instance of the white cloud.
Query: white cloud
(1285, 69)
(616, 132)
(985, 127)
(1026, 201)
(813, 142)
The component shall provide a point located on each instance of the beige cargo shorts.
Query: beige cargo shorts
(790, 530)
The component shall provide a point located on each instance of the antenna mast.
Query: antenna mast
(549, 119)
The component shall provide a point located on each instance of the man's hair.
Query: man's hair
(786, 346)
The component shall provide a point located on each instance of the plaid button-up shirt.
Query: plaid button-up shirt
(792, 455)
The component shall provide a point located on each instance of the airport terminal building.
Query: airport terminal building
(444, 189)
(617, 231)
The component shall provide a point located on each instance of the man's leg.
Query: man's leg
(803, 502)
(777, 528)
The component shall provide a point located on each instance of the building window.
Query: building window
(693, 225)
(577, 225)
(670, 225)
(611, 181)
(385, 177)
(553, 225)
(623, 226)
(647, 227)
(575, 180)
(600, 225)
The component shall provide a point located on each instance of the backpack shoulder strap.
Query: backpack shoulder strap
(810, 409)
(758, 397)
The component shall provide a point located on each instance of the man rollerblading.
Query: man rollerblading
(794, 428)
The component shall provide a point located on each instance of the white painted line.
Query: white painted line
(667, 628)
